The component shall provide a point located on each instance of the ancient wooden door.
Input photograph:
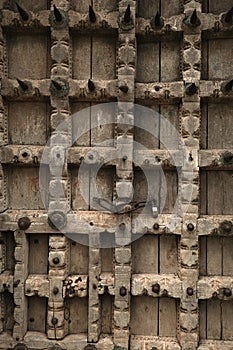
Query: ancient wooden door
(172, 287)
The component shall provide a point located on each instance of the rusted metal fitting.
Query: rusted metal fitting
(190, 227)
(24, 223)
(90, 347)
(226, 226)
(56, 260)
(24, 15)
(190, 291)
(156, 226)
(156, 288)
(125, 20)
(227, 88)
(227, 158)
(55, 290)
(192, 21)
(227, 18)
(59, 87)
(157, 22)
(54, 321)
(227, 292)
(191, 89)
(123, 291)
(58, 18)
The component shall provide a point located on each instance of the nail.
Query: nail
(92, 15)
(55, 290)
(54, 321)
(57, 14)
(227, 157)
(190, 291)
(23, 13)
(190, 227)
(191, 89)
(226, 226)
(23, 85)
(123, 291)
(127, 15)
(56, 260)
(156, 288)
(158, 21)
(24, 223)
(57, 220)
(124, 89)
(193, 20)
(227, 292)
(156, 226)
(91, 85)
(56, 85)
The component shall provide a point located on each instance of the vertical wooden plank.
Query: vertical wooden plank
(220, 126)
(105, 5)
(220, 61)
(214, 319)
(10, 248)
(204, 56)
(168, 135)
(38, 254)
(145, 255)
(8, 312)
(227, 193)
(170, 61)
(148, 8)
(106, 313)
(80, 190)
(144, 316)
(37, 314)
(33, 62)
(227, 317)
(101, 186)
(168, 254)
(168, 191)
(203, 256)
(214, 255)
(78, 315)
(102, 125)
(103, 57)
(34, 5)
(81, 123)
(203, 193)
(28, 123)
(150, 140)
(167, 317)
(227, 255)
(170, 9)
(80, 6)
(203, 319)
(218, 7)
(107, 241)
(81, 57)
(204, 126)
(79, 258)
(23, 188)
(148, 66)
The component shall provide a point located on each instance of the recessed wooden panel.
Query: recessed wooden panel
(216, 195)
(106, 302)
(79, 258)
(7, 302)
(217, 126)
(23, 188)
(94, 56)
(148, 8)
(34, 5)
(105, 5)
(216, 318)
(37, 308)
(107, 241)
(38, 254)
(215, 6)
(8, 250)
(78, 315)
(216, 58)
(28, 123)
(216, 257)
(158, 61)
(153, 316)
(80, 190)
(145, 255)
(27, 56)
(168, 254)
(81, 123)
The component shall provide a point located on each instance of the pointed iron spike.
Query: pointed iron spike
(229, 86)
(91, 85)
(124, 88)
(23, 85)
(127, 15)
(229, 16)
(23, 13)
(194, 20)
(157, 19)
(56, 85)
(92, 15)
(57, 14)
(191, 89)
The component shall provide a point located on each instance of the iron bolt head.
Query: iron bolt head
(226, 226)
(54, 321)
(190, 227)
(156, 288)
(156, 226)
(227, 292)
(190, 291)
(24, 223)
(55, 290)
(123, 291)
(56, 260)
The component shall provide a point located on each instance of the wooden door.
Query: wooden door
(167, 287)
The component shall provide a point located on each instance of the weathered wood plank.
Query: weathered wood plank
(227, 249)
(170, 9)
(145, 255)
(227, 317)
(167, 317)
(32, 46)
(34, 5)
(219, 61)
(106, 302)
(148, 64)
(103, 57)
(169, 135)
(102, 125)
(203, 319)
(81, 123)
(203, 255)
(214, 255)
(147, 8)
(105, 5)
(38, 254)
(168, 254)
(79, 201)
(78, 315)
(37, 314)
(168, 191)
(81, 57)
(214, 319)
(144, 316)
(217, 7)
(170, 61)
(79, 258)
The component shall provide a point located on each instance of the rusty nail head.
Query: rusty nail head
(24, 223)
(122, 226)
(123, 291)
(227, 226)
(156, 226)
(54, 321)
(55, 290)
(56, 260)
(156, 288)
(190, 291)
(227, 292)
(190, 227)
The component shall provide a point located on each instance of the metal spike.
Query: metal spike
(191, 89)
(91, 85)
(92, 15)
(124, 88)
(57, 14)
(229, 16)
(193, 20)
(158, 20)
(56, 85)
(23, 85)
(229, 86)
(127, 15)
(23, 13)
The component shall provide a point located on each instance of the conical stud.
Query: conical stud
(228, 18)
(124, 88)
(158, 21)
(23, 85)
(191, 89)
(127, 15)
(91, 85)
(193, 20)
(56, 85)
(228, 87)
(92, 15)
(23, 13)
(57, 14)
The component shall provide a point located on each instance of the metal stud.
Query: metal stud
(226, 226)
(228, 17)
(24, 223)
(228, 87)
(193, 20)
(91, 85)
(123, 291)
(23, 13)
(57, 85)
(156, 288)
(56, 260)
(124, 88)
(54, 321)
(156, 226)
(227, 292)
(191, 89)
(57, 14)
(190, 227)
(55, 290)
(23, 85)
(190, 291)
(227, 157)
(157, 22)
(127, 15)
(92, 15)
